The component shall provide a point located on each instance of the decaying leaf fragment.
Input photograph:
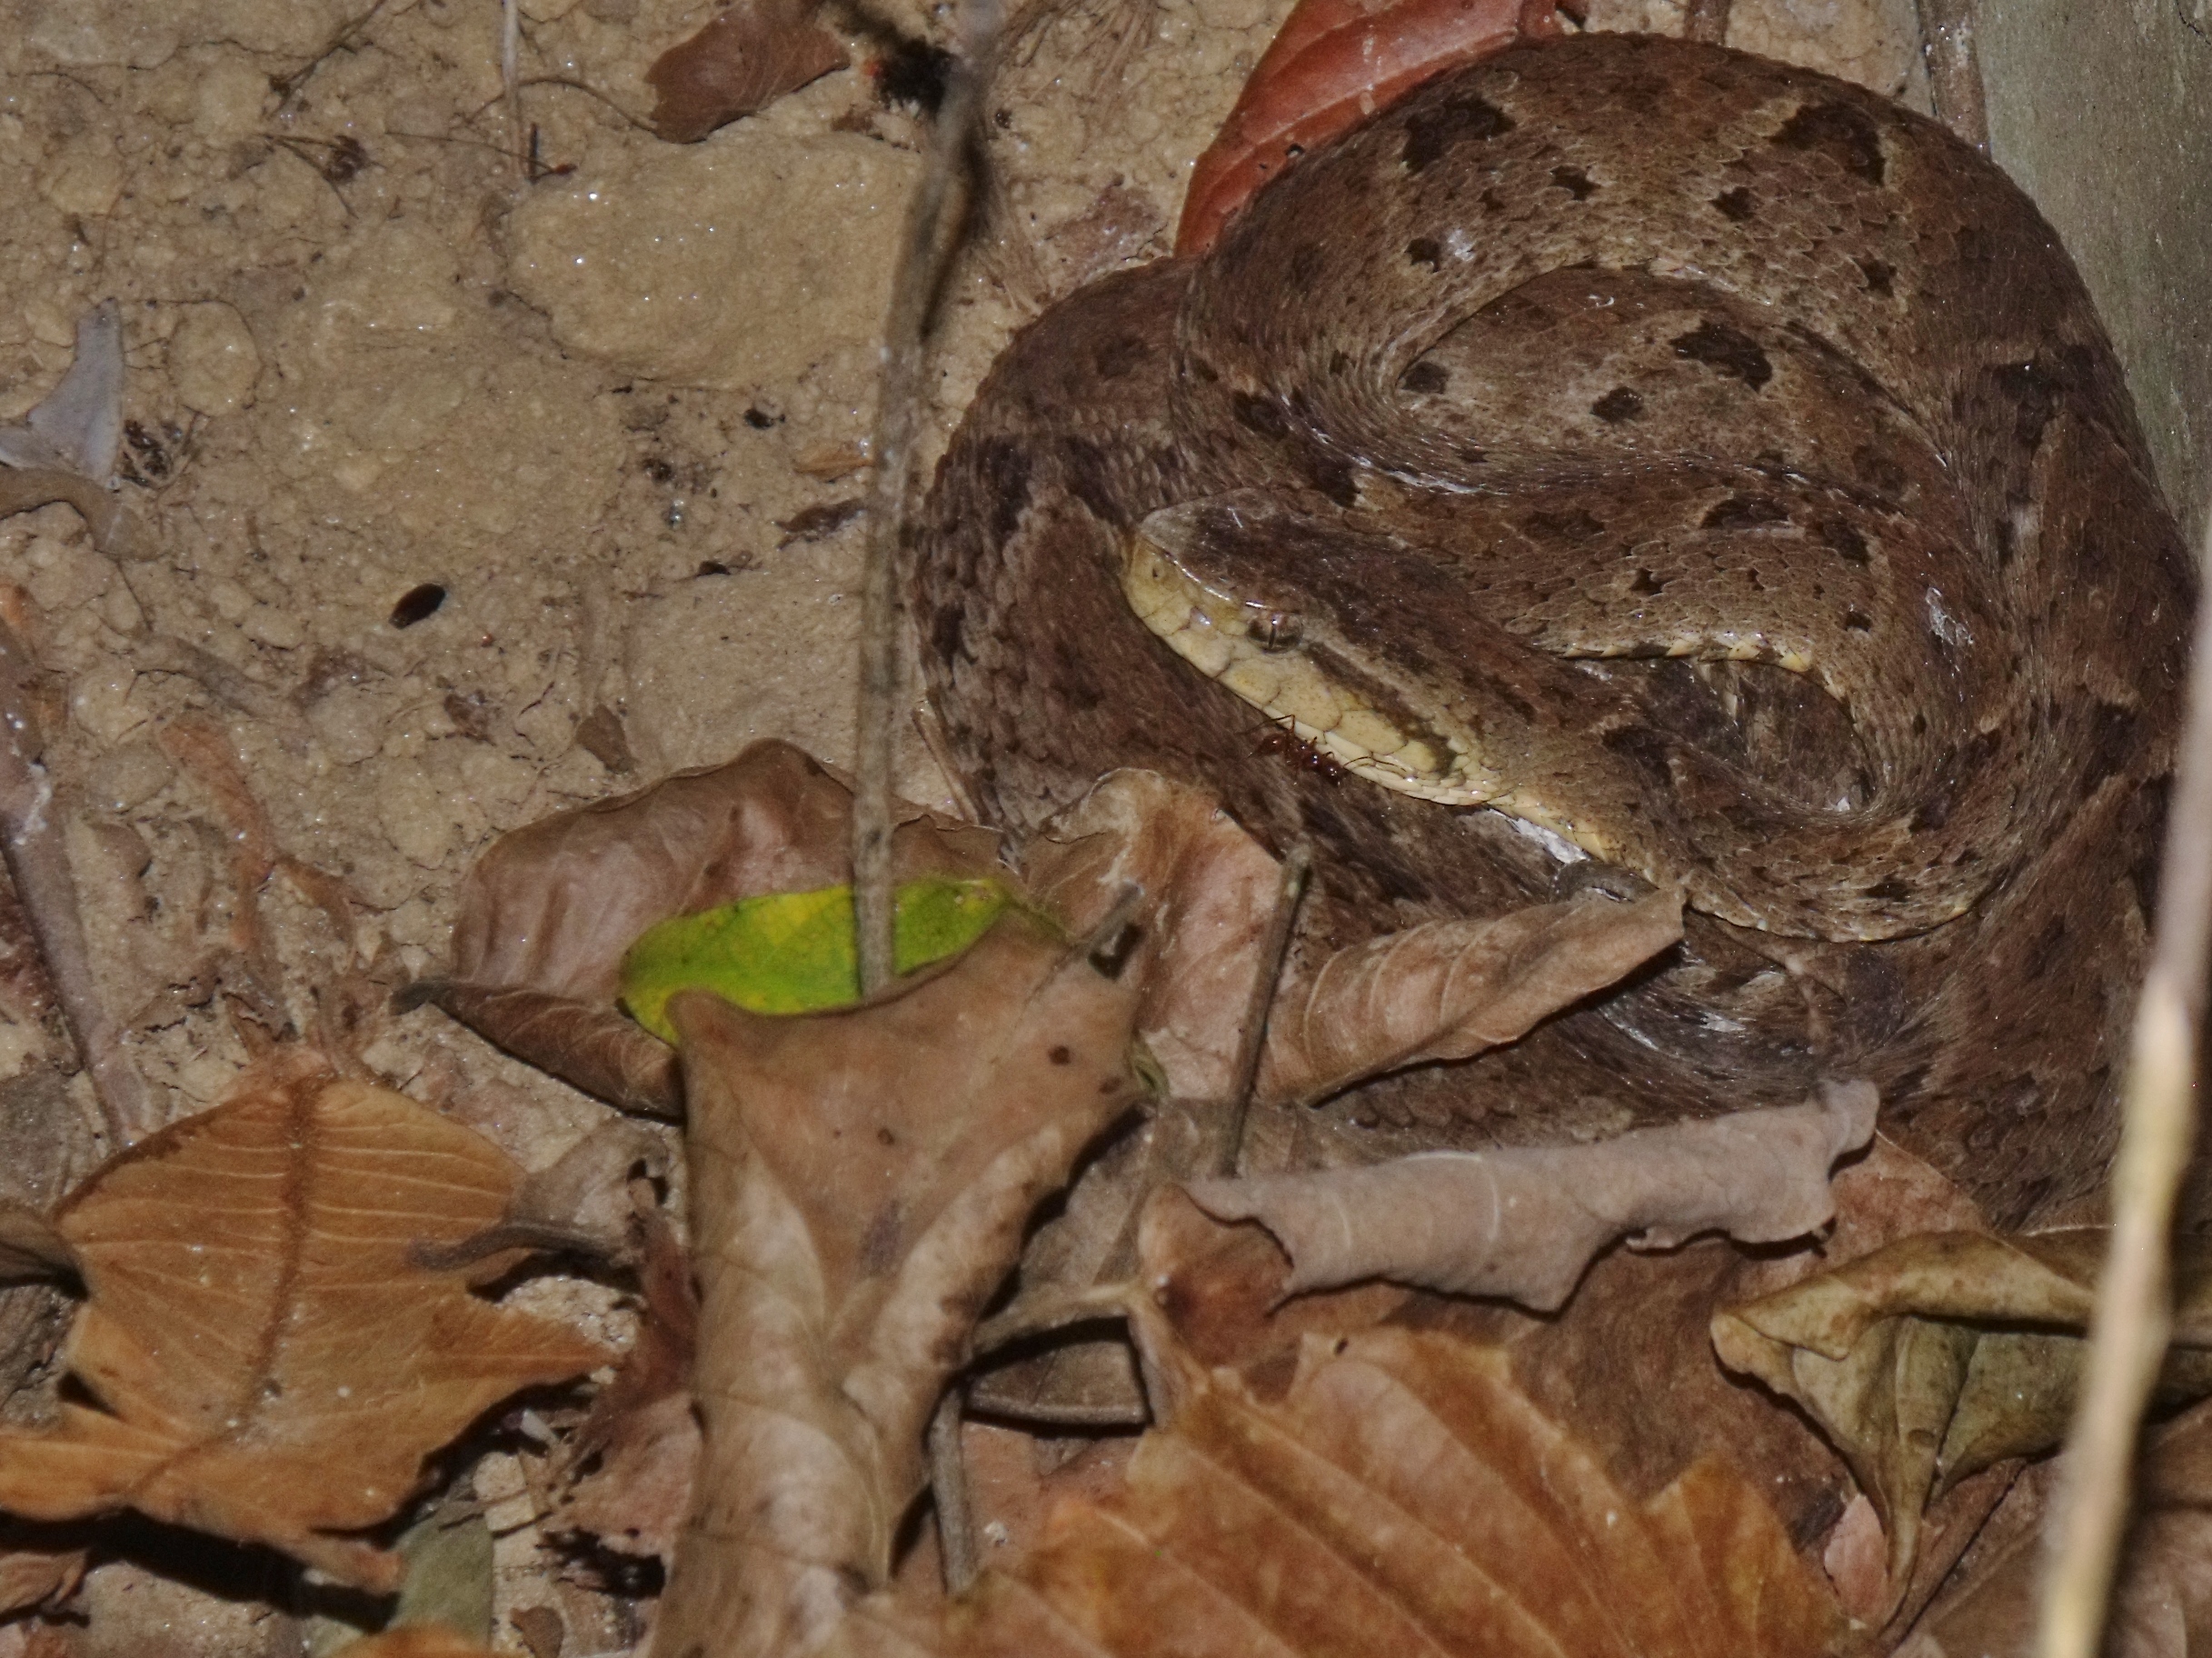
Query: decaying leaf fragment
(1525, 1223)
(65, 448)
(859, 1183)
(749, 55)
(1401, 1496)
(1942, 1354)
(271, 1363)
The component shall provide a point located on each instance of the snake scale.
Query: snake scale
(1713, 465)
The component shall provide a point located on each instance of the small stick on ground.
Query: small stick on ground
(2134, 1308)
(38, 862)
(1251, 1042)
(932, 225)
(1954, 69)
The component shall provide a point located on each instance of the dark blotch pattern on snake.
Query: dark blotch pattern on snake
(1752, 477)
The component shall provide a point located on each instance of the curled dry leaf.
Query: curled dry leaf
(1524, 1222)
(860, 1183)
(548, 914)
(1940, 1355)
(1452, 989)
(2162, 1600)
(271, 1363)
(1400, 1496)
(749, 55)
(1446, 990)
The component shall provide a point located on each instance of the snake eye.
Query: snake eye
(1276, 630)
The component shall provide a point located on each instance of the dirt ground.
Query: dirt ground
(612, 402)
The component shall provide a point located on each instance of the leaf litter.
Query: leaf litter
(267, 1360)
(1212, 1044)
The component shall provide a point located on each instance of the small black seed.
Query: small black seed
(417, 604)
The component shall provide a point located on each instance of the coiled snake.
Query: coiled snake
(1707, 463)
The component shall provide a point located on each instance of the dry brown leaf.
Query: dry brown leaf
(1452, 989)
(271, 1363)
(548, 912)
(1938, 1356)
(2162, 1602)
(642, 1428)
(1445, 990)
(749, 55)
(1525, 1223)
(860, 1183)
(32, 1578)
(1208, 890)
(1401, 1496)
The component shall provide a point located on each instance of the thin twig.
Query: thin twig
(349, 37)
(1251, 1041)
(933, 223)
(1954, 69)
(2134, 1313)
(956, 1551)
(38, 862)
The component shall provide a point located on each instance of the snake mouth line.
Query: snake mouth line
(1286, 667)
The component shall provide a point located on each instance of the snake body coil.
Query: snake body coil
(1707, 463)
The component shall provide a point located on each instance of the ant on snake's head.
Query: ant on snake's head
(1279, 738)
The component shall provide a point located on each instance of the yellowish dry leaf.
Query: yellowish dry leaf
(1939, 1356)
(548, 914)
(271, 1363)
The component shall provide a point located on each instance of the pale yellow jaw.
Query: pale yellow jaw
(1227, 638)
(1258, 653)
